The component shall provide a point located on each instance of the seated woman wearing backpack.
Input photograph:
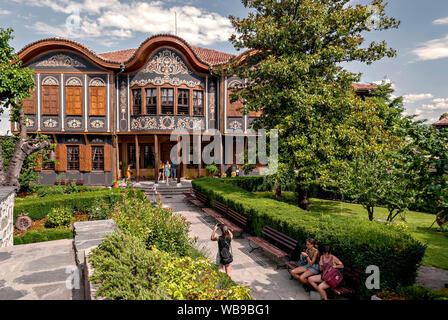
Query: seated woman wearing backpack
(308, 263)
(331, 276)
(224, 256)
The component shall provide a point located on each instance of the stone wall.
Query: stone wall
(7, 198)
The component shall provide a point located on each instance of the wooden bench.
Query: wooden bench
(236, 230)
(278, 238)
(238, 218)
(352, 279)
(199, 196)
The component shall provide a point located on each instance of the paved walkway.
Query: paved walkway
(253, 269)
(39, 271)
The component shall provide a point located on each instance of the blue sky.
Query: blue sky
(419, 72)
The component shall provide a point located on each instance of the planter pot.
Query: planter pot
(116, 185)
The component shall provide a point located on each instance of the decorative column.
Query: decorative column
(178, 160)
(137, 159)
(199, 160)
(157, 162)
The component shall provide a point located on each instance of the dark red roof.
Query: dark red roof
(442, 122)
(209, 56)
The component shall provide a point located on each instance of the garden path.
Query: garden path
(254, 269)
(39, 271)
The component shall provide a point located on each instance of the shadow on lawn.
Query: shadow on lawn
(317, 205)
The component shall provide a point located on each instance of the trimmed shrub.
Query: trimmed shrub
(45, 191)
(249, 183)
(38, 208)
(34, 236)
(357, 242)
(59, 217)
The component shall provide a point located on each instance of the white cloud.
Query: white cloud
(433, 49)
(5, 12)
(441, 21)
(114, 19)
(412, 98)
(433, 110)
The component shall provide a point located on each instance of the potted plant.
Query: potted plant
(212, 169)
(115, 184)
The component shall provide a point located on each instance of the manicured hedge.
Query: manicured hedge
(38, 208)
(249, 183)
(357, 242)
(34, 236)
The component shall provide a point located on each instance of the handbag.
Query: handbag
(331, 275)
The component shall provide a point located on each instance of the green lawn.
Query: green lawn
(418, 224)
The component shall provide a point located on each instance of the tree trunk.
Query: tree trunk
(302, 198)
(278, 191)
(24, 147)
(370, 212)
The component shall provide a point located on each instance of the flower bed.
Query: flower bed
(357, 242)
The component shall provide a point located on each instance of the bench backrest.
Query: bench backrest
(352, 276)
(200, 196)
(230, 212)
(279, 237)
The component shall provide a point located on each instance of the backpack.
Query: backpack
(226, 256)
(332, 276)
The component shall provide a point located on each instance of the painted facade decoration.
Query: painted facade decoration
(60, 60)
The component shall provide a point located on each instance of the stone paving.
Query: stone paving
(253, 269)
(39, 271)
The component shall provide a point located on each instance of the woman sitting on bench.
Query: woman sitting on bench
(326, 263)
(308, 263)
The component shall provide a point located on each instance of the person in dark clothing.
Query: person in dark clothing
(224, 246)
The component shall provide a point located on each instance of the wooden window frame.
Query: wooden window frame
(57, 101)
(79, 157)
(183, 105)
(136, 89)
(67, 111)
(174, 100)
(203, 102)
(103, 111)
(33, 99)
(93, 154)
(146, 99)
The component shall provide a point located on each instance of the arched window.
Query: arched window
(50, 96)
(97, 94)
(73, 97)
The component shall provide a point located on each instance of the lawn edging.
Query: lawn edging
(358, 243)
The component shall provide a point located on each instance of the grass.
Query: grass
(418, 224)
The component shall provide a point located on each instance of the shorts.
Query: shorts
(314, 268)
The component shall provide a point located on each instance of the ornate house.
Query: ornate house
(106, 111)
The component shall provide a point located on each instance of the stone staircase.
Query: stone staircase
(163, 189)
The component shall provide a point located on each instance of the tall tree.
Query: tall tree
(16, 84)
(294, 75)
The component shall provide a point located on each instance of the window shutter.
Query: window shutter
(50, 100)
(61, 157)
(29, 105)
(74, 101)
(85, 158)
(97, 101)
(107, 158)
(234, 109)
(38, 167)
